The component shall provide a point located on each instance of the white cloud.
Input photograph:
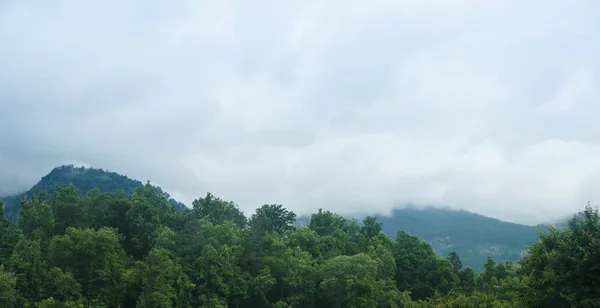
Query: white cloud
(484, 105)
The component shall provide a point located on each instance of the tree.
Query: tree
(371, 227)
(419, 270)
(162, 281)
(9, 236)
(460, 300)
(61, 285)
(143, 219)
(259, 288)
(562, 268)
(37, 220)
(455, 260)
(53, 303)
(326, 222)
(294, 271)
(218, 276)
(338, 235)
(218, 211)
(8, 293)
(68, 209)
(305, 239)
(352, 281)
(272, 218)
(467, 279)
(487, 280)
(97, 261)
(28, 264)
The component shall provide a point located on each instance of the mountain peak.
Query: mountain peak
(84, 178)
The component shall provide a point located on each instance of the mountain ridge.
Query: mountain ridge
(473, 236)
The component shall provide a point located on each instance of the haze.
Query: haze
(489, 106)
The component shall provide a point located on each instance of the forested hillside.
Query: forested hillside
(85, 179)
(115, 250)
(472, 236)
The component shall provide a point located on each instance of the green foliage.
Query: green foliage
(97, 261)
(217, 275)
(295, 274)
(371, 227)
(162, 281)
(134, 249)
(325, 223)
(355, 281)
(53, 303)
(9, 236)
(563, 268)
(272, 218)
(68, 209)
(8, 292)
(28, 264)
(467, 279)
(37, 219)
(143, 219)
(455, 260)
(218, 211)
(461, 300)
(61, 285)
(419, 270)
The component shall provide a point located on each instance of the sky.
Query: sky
(486, 105)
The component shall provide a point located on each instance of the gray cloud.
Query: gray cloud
(488, 106)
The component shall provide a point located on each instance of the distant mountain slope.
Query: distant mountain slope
(85, 179)
(472, 236)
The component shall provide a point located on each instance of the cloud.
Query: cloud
(349, 105)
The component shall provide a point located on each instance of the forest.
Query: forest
(113, 249)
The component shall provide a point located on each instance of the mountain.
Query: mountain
(472, 236)
(85, 179)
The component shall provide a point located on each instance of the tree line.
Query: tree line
(115, 250)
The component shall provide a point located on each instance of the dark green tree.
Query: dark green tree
(353, 281)
(371, 227)
(97, 261)
(419, 270)
(30, 268)
(326, 222)
(148, 209)
(218, 211)
(563, 268)
(295, 273)
(162, 281)
(272, 218)
(8, 292)
(455, 260)
(37, 219)
(68, 209)
(9, 236)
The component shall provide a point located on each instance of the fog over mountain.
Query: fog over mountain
(488, 106)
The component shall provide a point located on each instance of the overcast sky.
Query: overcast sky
(490, 106)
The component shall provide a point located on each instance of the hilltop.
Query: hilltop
(84, 179)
